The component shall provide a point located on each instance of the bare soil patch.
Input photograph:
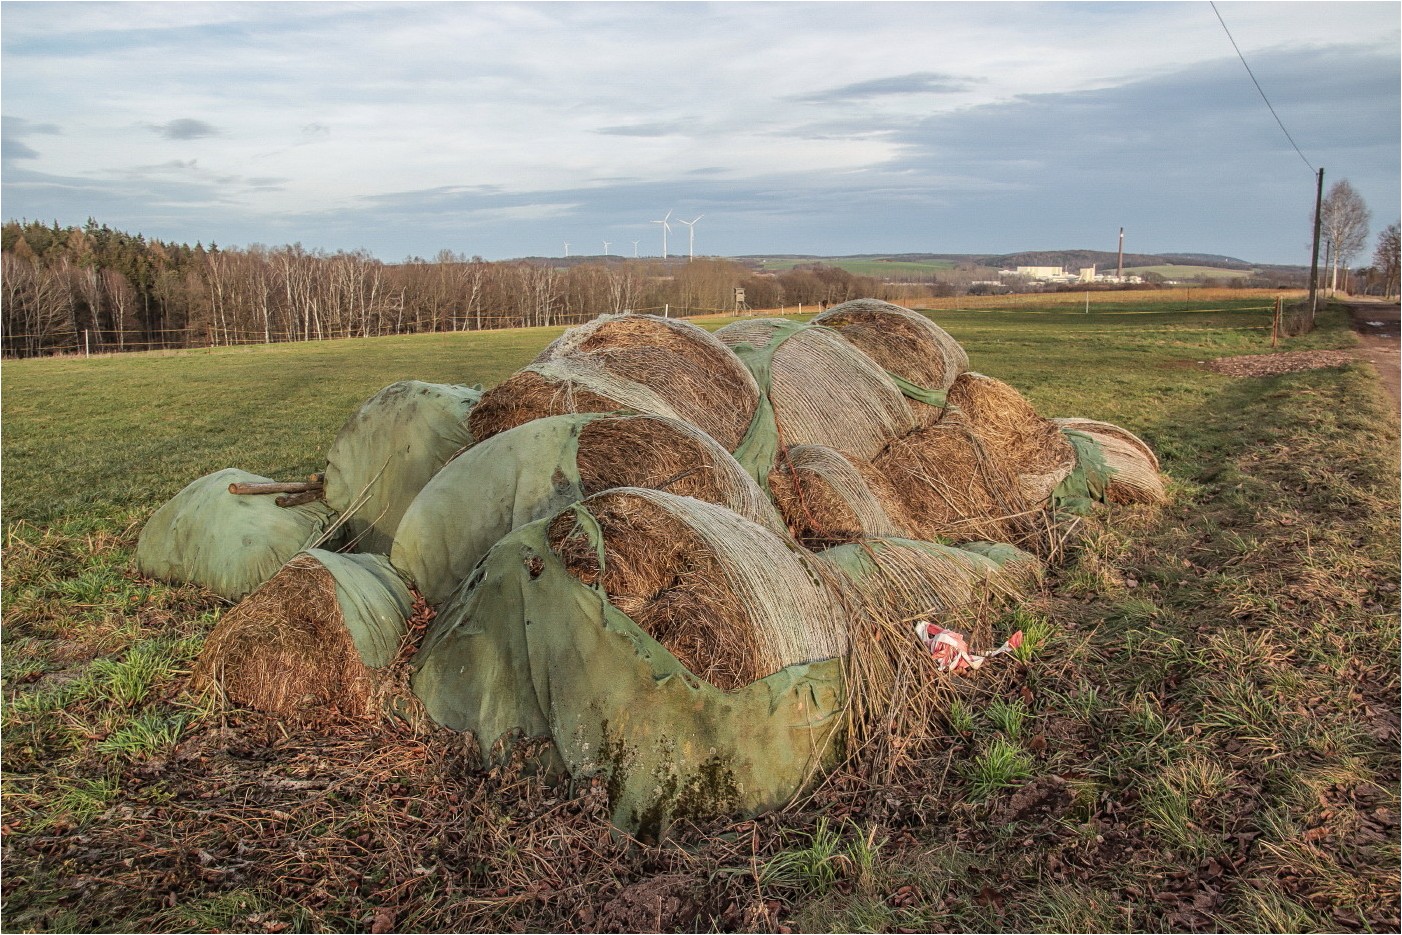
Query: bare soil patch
(1267, 365)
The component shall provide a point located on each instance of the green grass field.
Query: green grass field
(1205, 739)
(1181, 273)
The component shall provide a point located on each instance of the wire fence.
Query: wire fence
(88, 342)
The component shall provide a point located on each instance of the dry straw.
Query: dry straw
(1029, 447)
(642, 363)
(952, 489)
(827, 497)
(731, 600)
(285, 649)
(671, 455)
(824, 390)
(902, 341)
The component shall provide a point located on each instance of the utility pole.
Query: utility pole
(1314, 259)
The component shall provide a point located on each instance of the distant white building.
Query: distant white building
(1058, 274)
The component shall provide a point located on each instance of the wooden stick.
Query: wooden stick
(297, 499)
(316, 478)
(289, 487)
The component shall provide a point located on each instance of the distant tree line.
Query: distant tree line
(68, 289)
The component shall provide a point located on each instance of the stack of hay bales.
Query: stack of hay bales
(689, 560)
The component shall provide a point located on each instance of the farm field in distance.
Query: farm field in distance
(862, 266)
(1175, 272)
(1205, 739)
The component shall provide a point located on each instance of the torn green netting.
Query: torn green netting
(523, 648)
(388, 450)
(1089, 481)
(507, 481)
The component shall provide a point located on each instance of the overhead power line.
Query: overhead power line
(1258, 84)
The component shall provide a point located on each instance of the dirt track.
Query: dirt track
(1377, 325)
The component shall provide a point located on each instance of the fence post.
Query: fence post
(1275, 322)
(87, 345)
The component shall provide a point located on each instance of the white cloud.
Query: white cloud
(341, 103)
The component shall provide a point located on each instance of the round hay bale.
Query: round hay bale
(309, 642)
(532, 646)
(951, 488)
(1129, 475)
(729, 599)
(1029, 447)
(535, 470)
(1097, 428)
(903, 342)
(642, 363)
(824, 390)
(228, 543)
(387, 450)
(827, 497)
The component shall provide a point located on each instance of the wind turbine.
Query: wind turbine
(666, 228)
(691, 235)
(567, 248)
(606, 247)
(635, 249)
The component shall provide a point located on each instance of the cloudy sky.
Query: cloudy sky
(829, 128)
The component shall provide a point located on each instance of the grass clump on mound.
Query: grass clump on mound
(731, 600)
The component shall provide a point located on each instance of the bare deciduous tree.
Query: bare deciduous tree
(1344, 223)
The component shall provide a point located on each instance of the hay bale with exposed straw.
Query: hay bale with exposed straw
(536, 469)
(387, 450)
(312, 643)
(827, 497)
(228, 543)
(686, 656)
(920, 355)
(1096, 427)
(732, 601)
(950, 486)
(823, 390)
(1029, 447)
(638, 363)
(1112, 466)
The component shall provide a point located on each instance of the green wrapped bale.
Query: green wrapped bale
(228, 543)
(312, 642)
(691, 658)
(537, 469)
(388, 450)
